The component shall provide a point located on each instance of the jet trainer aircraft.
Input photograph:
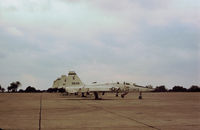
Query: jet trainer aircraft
(73, 85)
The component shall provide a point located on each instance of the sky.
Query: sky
(153, 42)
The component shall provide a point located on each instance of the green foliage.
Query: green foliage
(194, 88)
(13, 86)
(160, 89)
(178, 89)
(51, 90)
(30, 89)
(2, 89)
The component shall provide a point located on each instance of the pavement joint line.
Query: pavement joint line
(124, 116)
(40, 113)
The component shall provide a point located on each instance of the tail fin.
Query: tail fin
(65, 81)
(73, 79)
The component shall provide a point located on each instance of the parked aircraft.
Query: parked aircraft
(73, 85)
(97, 89)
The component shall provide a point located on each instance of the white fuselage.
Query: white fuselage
(108, 87)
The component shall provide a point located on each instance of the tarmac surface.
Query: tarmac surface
(156, 111)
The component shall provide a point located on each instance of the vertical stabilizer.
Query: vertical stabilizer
(60, 82)
(73, 80)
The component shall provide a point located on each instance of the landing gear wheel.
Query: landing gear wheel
(140, 96)
(96, 96)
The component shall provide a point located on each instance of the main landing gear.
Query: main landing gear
(123, 94)
(140, 96)
(96, 96)
(83, 95)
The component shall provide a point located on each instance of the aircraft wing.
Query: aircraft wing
(92, 88)
(101, 88)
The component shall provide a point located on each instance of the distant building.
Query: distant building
(65, 81)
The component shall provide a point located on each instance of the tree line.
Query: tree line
(162, 88)
(14, 86)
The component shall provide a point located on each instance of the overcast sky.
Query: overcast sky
(143, 41)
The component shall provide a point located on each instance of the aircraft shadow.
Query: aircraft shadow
(102, 99)
(86, 99)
